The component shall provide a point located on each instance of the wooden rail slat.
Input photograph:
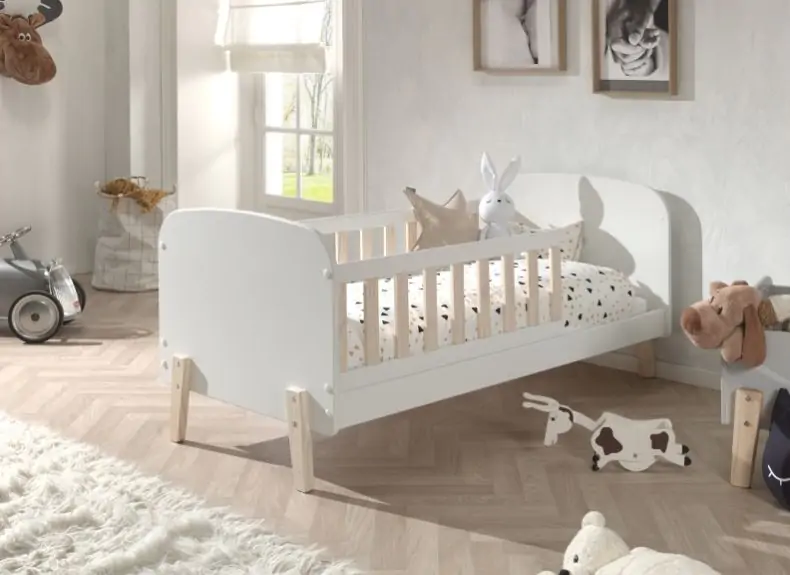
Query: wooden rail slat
(459, 305)
(341, 323)
(411, 236)
(431, 333)
(366, 243)
(483, 300)
(401, 311)
(509, 307)
(390, 241)
(401, 316)
(371, 327)
(555, 306)
(371, 302)
(341, 247)
(533, 293)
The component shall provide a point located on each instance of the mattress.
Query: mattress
(592, 295)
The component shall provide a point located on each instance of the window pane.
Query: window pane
(282, 165)
(281, 100)
(316, 168)
(316, 102)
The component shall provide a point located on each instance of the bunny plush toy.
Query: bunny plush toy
(497, 209)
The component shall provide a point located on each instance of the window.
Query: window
(297, 133)
(299, 136)
(301, 62)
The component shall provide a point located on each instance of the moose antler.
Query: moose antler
(540, 402)
(50, 9)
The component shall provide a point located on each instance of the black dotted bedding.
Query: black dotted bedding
(592, 295)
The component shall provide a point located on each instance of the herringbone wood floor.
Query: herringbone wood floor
(461, 487)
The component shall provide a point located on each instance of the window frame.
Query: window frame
(347, 133)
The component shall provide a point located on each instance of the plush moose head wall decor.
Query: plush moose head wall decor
(23, 56)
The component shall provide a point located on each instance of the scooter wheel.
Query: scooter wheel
(35, 317)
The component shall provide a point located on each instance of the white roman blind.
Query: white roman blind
(282, 36)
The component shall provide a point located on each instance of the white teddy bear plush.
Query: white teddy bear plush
(597, 550)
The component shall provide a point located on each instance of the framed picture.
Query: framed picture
(635, 47)
(519, 37)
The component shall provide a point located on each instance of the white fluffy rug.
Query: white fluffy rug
(65, 508)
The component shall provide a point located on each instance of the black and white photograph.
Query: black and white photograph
(634, 43)
(519, 36)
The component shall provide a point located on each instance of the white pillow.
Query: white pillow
(570, 245)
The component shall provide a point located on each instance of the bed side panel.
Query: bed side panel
(246, 296)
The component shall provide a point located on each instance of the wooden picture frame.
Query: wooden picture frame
(653, 75)
(522, 24)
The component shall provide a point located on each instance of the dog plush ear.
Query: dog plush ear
(5, 22)
(754, 348)
(716, 286)
(732, 347)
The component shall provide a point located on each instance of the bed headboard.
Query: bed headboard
(626, 226)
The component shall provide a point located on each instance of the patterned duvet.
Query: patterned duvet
(592, 295)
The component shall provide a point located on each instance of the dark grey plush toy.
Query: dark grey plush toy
(776, 456)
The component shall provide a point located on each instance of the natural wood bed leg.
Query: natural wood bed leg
(300, 438)
(646, 359)
(179, 397)
(745, 431)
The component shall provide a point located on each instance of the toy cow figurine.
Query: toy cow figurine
(634, 444)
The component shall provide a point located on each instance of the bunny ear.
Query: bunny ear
(509, 174)
(488, 171)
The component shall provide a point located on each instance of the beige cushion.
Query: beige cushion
(570, 246)
(443, 225)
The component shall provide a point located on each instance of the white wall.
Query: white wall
(52, 141)
(140, 91)
(179, 110)
(209, 151)
(720, 152)
(113, 111)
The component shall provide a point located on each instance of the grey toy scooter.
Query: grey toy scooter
(36, 298)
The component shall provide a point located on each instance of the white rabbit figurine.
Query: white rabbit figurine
(497, 209)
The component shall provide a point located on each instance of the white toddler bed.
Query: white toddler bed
(274, 316)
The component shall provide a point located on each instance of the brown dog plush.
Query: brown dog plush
(23, 56)
(733, 320)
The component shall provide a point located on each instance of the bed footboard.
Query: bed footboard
(247, 298)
